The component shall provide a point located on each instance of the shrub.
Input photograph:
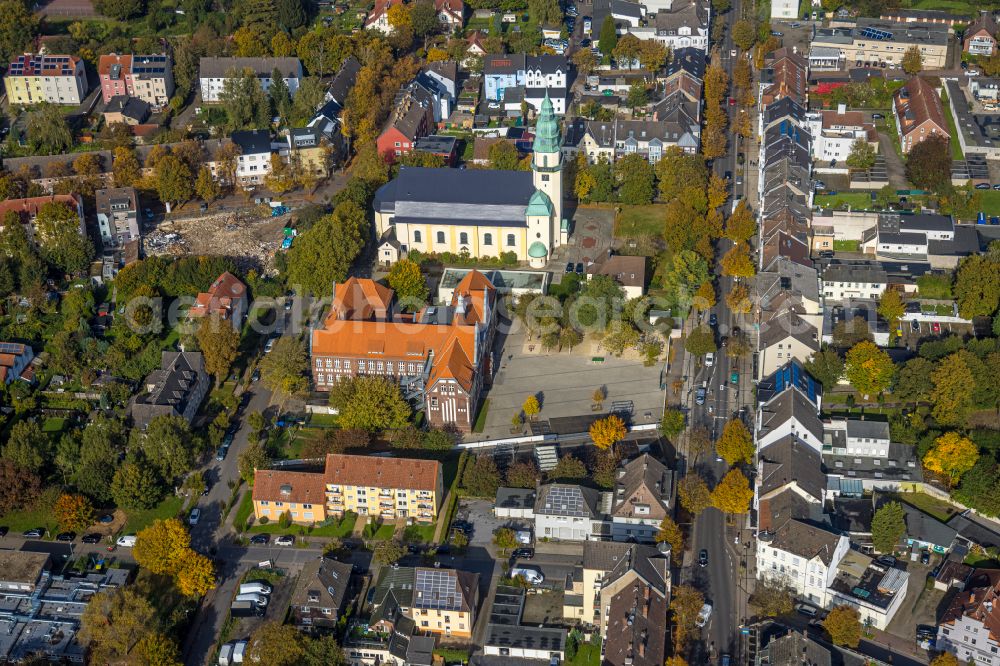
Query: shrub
(285, 521)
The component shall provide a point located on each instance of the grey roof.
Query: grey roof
(523, 637)
(518, 62)
(790, 461)
(172, 386)
(515, 498)
(322, 583)
(853, 514)
(867, 429)
(625, 8)
(218, 67)
(786, 276)
(344, 80)
(457, 196)
(130, 107)
(788, 405)
(560, 499)
(864, 272)
(786, 107)
(796, 649)
(436, 144)
(252, 142)
(966, 242)
(117, 195)
(921, 526)
(973, 529)
(643, 478)
(805, 540)
(792, 326)
(616, 559)
(689, 59)
(900, 465)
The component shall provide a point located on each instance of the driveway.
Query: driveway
(893, 162)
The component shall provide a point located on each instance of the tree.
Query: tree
(276, 643)
(737, 263)
(585, 61)
(928, 164)
(568, 468)
(409, 284)
(389, 552)
(121, 9)
(503, 156)
(28, 447)
(699, 442)
(844, 626)
(888, 527)
(125, 167)
(163, 548)
(952, 393)
(17, 30)
(197, 577)
(977, 286)
(744, 35)
(19, 487)
(173, 181)
(246, 104)
(741, 225)
(168, 445)
(826, 367)
(522, 475)
(73, 512)
(736, 443)
(134, 487)
(284, 369)
(913, 62)
(505, 539)
(891, 307)
(252, 458)
(481, 477)
(862, 155)
(685, 604)
(637, 178)
(694, 494)
(700, 341)
(637, 96)
(733, 494)
(47, 130)
(772, 598)
(206, 187)
(157, 649)
(322, 255)
(113, 624)
(704, 298)
(219, 344)
(851, 332)
(607, 432)
(672, 423)
(868, 368)
(670, 533)
(952, 455)
(608, 39)
(370, 403)
(292, 14)
(946, 659)
(323, 651)
(531, 408)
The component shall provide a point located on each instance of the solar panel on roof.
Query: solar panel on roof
(877, 34)
(10, 348)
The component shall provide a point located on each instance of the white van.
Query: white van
(226, 655)
(255, 587)
(703, 615)
(259, 599)
(533, 576)
(126, 541)
(238, 651)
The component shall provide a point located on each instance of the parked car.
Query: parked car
(936, 327)
(877, 116)
(982, 186)
(194, 516)
(93, 537)
(523, 553)
(805, 609)
(569, 266)
(775, 33)
(915, 326)
(713, 320)
(285, 540)
(3, 531)
(126, 540)
(925, 557)
(886, 560)
(972, 72)
(579, 268)
(826, 254)
(704, 615)
(260, 539)
(66, 536)
(255, 587)
(269, 345)
(703, 558)
(35, 533)
(530, 574)
(462, 526)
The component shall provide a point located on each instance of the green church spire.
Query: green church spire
(547, 129)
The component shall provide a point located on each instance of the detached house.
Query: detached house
(918, 113)
(438, 601)
(254, 162)
(970, 626)
(513, 77)
(378, 19)
(227, 299)
(117, 215)
(176, 389)
(320, 594)
(450, 13)
(981, 36)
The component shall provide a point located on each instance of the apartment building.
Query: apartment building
(981, 36)
(835, 132)
(438, 601)
(612, 140)
(845, 281)
(28, 209)
(918, 113)
(801, 555)
(874, 42)
(970, 626)
(57, 79)
(527, 77)
(117, 215)
(441, 356)
(385, 488)
(176, 388)
(254, 162)
(146, 77)
(874, 589)
(214, 71)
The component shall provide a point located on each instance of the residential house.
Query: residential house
(378, 19)
(383, 488)
(908, 237)
(443, 146)
(27, 210)
(177, 388)
(981, 36)
(795, 648)
(613, 140)
(790, 377)
(15, 362)
(681, 24)
(856, 437)
(507, 635)
(146, 77)
(789, 413)
(685, 74)
(788, 287)
(629, 272)
(54, 78)
(852, 475)
(117, 215)
(320, 595)
(969, 628)
(874, 589)
(932, 16)
(843, 281)
(450, 14)
(412, 117)
(918, 113)
(835, 132)
(530, 78)
(785, 75)
(871, 42)
(786, 339)
(226, 299)
(565, 512)
(475, 49)
(800, 554)
(128, 110)
(215, 71)
(438, 601)
(641, 500)
(310, 151)
(342, 83)
(785, 9)
(254, 161)
(440, 357)
(789, 465)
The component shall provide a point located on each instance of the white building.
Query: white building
(855, 280)
(784, 9)
(834, 133)
(856, 437)
(802, 556)
(970, 626)
(214, 72)
(254, 162)
(875, 590)
(789, 414)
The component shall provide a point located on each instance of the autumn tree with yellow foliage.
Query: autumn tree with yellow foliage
(607, 432)
(733, 494)
(736, 443)
(952, 455)
(670, 533)
(165, 548)
(737, 263)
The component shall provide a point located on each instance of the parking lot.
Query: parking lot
(921, 603)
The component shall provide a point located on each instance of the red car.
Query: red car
(732, 101)
(936, 327)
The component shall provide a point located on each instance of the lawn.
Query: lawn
(636, 221)
(481, 417)
(929, 505)
(245, 509)
(856, 200)
(586, 655)
(953, 6)
(19, 521)
(323, 420)
(340, 528)
(53, 424)
(846, 245)
(956, 146)
(990, 202)
(168, 508)
(419, 533)
(292, 450)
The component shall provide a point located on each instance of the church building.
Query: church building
(481, 212)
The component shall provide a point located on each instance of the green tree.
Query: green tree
(928, 164)
(481, 477)
(524, 474)
(637, 96)
(408, 282)
(121, 9)
(913, 62)
(292, 14)
(608, 39)
(135, 487)
(278, 95)
(862, 156)
(891, 307)
(275, 643)
(284, 369)
(744, 35)
(206, 187)
(322, 255)
(167, 445)
(253, 457)
(17, 30)
(503, 155)
(47, 130)
(914, 382)
(567, 469)
(869, 369)
(370, 403)
(826, 367)
(27, 447)
(771, 598)
(951, 395)
(243, 99)
(888, 527)
(700, 341)
(844, 626)
(637, 180)
(672, 423)
(173, 181)
(219, 343)
(505, 539)
(977, 286)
